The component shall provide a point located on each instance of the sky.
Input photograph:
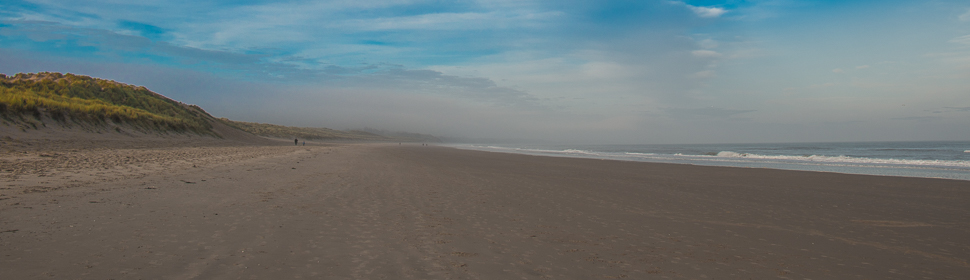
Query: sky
(592, 72)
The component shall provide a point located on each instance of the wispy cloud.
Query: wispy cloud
(434, 82)
(705, 53)
(142, 29)
(701, 11)
(707, 12)
(529, 61)
(712, 112)
(919, 118)
(958, 56)
(963, 40)
(269, 67)
(106, 42)
(451, 21)
(708, 43)
(958, 109)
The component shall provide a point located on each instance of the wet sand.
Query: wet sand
(414, 212)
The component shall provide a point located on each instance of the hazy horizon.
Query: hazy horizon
(610, 72)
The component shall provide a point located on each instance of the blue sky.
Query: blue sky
(579, 71)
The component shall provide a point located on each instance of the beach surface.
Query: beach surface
(389, 211)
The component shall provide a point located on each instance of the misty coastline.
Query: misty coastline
(934, 159)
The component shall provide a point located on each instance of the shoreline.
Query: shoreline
(929, 172)
(363, 211)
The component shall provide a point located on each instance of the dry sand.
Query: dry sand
(414, 212)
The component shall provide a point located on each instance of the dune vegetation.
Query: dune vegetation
(69, 98)
(30, 100)
(308, 133)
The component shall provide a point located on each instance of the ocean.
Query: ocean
(948, 160)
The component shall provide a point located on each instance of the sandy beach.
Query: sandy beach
(388, 211)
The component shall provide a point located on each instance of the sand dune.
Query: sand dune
(375, 211)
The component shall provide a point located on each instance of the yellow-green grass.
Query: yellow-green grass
(308, 133)
(68, 97)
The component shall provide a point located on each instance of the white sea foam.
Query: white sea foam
(529, 151)
(640, 154)
(731, 156)
(912, 167)
(835, 160)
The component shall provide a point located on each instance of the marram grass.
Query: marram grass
(307, 133)
(68, 97)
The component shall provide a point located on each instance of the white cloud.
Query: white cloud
(960, 59)
(705, 53)
(452, 21)
(704, 112)
(704, 74)
(707, 12)
(601, 70)
(707, 43)
(965, 16)
(704, 12)
(837, 70)
(958, 56)
(963, 40)
(825, 85)
(862, 67)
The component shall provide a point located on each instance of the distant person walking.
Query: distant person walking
(296, 142)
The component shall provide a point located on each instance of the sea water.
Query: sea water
(949, 160)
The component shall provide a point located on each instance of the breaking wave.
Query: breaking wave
(736, 157)
(839, 160)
